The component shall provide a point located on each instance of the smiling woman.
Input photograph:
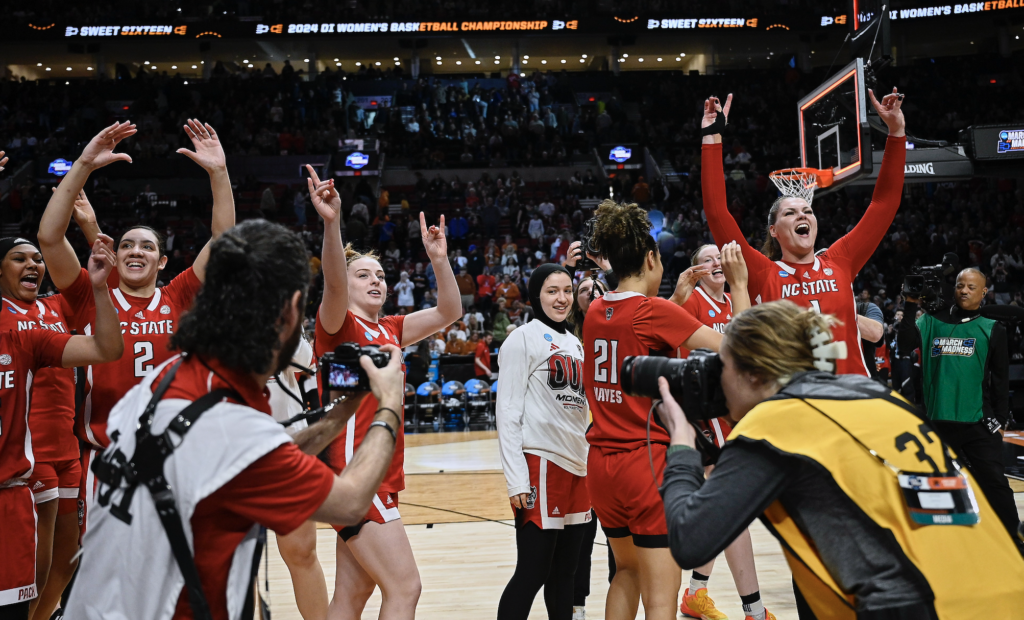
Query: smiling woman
(148, 314)
(788, 268)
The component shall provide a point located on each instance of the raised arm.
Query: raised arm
(61, 261)
(735, 270)
(106, 343)
(421, 324)
(210, 155)
(712, 186)
(327, 201)
(857, 246)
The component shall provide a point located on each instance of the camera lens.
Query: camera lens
(640, 374)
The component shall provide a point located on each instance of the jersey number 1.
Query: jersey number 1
(816, 305)
(143, 353)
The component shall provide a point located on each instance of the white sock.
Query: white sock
(755, 609)
(696, 583)
(579, 613)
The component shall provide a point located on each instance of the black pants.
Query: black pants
(17, 611)
(544, 558)
(982, 453)
(581, 588)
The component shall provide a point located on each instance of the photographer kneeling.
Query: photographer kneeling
(875, 518)
(198, 434)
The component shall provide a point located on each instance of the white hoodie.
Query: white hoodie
(541, 406)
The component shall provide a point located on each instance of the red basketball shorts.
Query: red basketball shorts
(58, 480)
(625, 495)
(384, 509)
(558, 497)
(717, 430)
(17, 546)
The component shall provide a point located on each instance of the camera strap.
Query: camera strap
(147, 467)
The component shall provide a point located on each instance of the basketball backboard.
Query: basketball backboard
(834, 131)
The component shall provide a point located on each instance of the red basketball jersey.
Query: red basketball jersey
(617, 326)
(53, 389)
(362, 332)
(708, 311)
(22, 354)
(146, 325)
(825, 285)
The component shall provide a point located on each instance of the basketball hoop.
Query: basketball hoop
(800, 182)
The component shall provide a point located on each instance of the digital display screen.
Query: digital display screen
(997, 142)
(343, 377)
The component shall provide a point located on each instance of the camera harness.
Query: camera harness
(146, 467)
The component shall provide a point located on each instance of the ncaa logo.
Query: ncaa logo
(608, 314)
(711, 313)
(784, 274)
(548, 337)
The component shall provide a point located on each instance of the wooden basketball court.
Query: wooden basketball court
(457, 515)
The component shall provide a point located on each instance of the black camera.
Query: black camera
(344, 373)
(695, 382)
(925, 283)
(584, 263)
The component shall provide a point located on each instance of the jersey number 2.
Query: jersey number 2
(606, 352)
(143, 353)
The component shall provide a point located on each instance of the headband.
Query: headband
(9, 243)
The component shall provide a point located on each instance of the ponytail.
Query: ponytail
(771, 247)
(352, 255)
(622, 234)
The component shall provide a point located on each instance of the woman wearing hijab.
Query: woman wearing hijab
(542, 421)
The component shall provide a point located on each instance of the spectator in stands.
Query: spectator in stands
(507, 290)
(536, 227)
(268, 204)
(405, 288)
(299, 205)
(641, 192)
(429, 300)
(501, 321)
(467, 287)
(546, 208)
(482, 354)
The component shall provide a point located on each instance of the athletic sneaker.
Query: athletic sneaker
(767, 615)
(699, 605)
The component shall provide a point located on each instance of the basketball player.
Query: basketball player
(57, 471)
(148, 315)
(24, 354)
(709, 302)
(632, 320)
(542, 423)
(375, 552)
(788, 268)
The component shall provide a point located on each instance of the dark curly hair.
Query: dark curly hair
(254, 269)
(622, 234)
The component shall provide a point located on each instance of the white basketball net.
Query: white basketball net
(796, 183)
